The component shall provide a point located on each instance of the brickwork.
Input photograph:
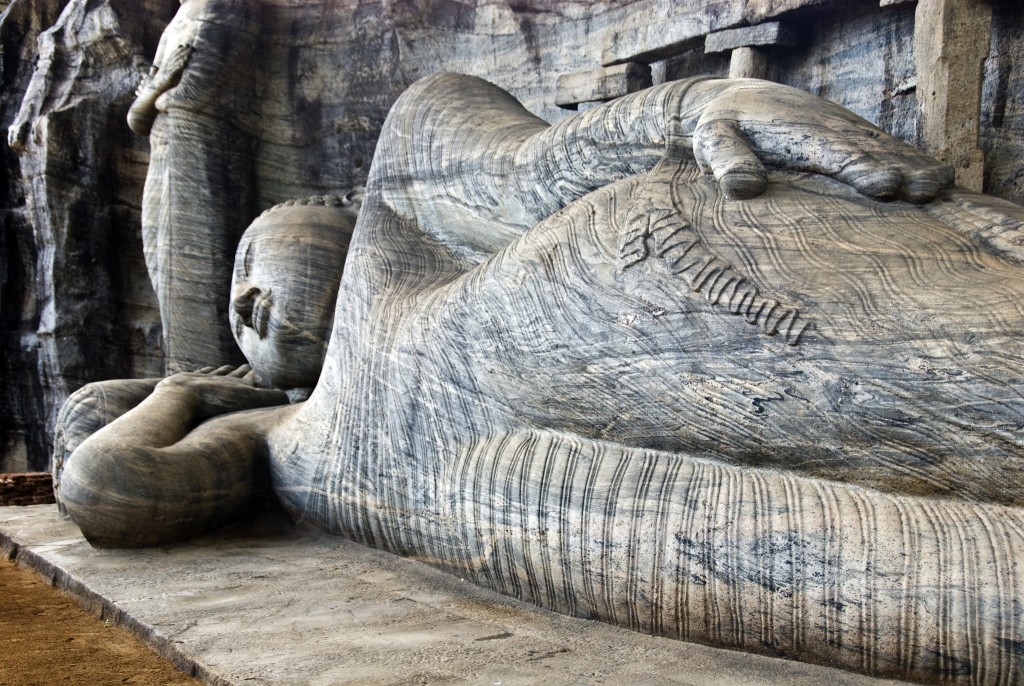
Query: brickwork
(32, 488)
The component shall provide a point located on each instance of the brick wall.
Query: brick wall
(31, 488)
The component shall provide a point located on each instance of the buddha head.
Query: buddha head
(285, 283)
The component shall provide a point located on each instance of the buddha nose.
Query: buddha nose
(243, 305)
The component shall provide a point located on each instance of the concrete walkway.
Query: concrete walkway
(266, 603)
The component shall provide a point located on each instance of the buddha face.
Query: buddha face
(283, 290)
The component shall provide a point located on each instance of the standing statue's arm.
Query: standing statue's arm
(164, 76)
(162, 472)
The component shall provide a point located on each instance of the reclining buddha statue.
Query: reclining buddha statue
(718, 361)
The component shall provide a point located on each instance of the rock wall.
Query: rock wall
(22, 407)
(76, 302)
(1002, 121)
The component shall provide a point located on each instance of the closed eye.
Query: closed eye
(247, 260)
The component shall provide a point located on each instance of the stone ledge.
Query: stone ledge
(772, 33)
(265, 603)
(601, 84)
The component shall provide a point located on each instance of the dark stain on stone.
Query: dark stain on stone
(495, 637)
(1010, 645)
(952, 666)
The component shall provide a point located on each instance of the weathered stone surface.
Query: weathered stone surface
(22, 407)
(565, 365)
(767, 34)
(660, 30)
(328, 72)
(951, 43)
(1002, 105)
(75, 302)
(861, 60)
(601, 84)
(650, 30)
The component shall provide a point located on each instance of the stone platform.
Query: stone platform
(266, 603)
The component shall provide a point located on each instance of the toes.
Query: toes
(719, 146)
(872, 179)
(742, 183)
(922, 185)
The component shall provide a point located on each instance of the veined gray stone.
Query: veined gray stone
(567, 365)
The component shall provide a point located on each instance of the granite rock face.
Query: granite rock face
(77, 304)
(1002, 124)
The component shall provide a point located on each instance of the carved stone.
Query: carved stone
(602, 84)
(567, 365)
(76, 304)
(75, 300)
(951, 42)
(196, 106)
(748, 45)
(771, 33)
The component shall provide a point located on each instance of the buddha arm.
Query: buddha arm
(161, 472)
(88, 410)
(733, 128)
(474, 168)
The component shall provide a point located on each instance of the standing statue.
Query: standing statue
(199, 194)
(778, 412)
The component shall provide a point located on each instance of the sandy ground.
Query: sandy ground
(46, 639)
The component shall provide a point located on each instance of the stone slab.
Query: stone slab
(267, 603)
(603, 83)
(650, 31)
(763, 35)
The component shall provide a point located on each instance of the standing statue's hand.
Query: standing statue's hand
(225, 389)
(753, 123)
(169, 73)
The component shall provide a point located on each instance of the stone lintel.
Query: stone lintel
(603, 83)
(890, 3)
(772, 33)
(656, 53)
(671, 28)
